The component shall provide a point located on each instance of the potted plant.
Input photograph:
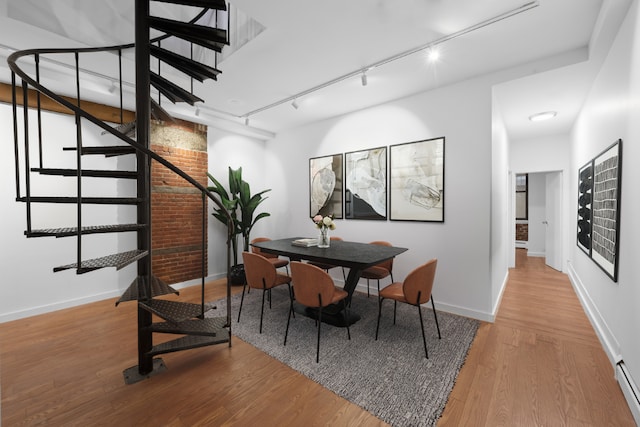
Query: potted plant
(241, 206)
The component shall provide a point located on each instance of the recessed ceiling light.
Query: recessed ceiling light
(546, 115)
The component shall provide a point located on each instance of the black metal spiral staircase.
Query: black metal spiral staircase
(185, 319)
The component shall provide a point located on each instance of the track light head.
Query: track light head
(246, 121)
(294, 104)
(112, 88)
(197, 111)
(364, 78)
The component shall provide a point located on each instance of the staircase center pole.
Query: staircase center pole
(145, 340)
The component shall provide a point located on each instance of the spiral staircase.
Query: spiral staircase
(187, 320)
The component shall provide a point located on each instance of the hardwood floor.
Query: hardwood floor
(540, 363)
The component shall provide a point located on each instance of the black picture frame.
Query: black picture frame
(585, 211)
(605, 229)
(416, 180)
(365, 194)
(326, 186)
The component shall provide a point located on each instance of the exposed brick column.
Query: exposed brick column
(176, 205)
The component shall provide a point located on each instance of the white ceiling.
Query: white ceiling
(306, 44)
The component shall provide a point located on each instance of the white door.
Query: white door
(553, 221)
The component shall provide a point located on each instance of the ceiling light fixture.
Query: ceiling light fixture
(546, 115)
(364, 77)
(246, 121)
(431, 45)
(112, 88)
(294, 104)
(197, 111)
(433, 54)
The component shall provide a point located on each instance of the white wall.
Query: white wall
(611, 112)
(462, 114)
(29, 285)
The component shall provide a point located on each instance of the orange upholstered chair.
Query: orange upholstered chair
(327, 267)
(415, 290)
(273, 258)
(314, 288)
(261, 274)
(379, 271)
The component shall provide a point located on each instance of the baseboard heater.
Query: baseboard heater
(629, 389)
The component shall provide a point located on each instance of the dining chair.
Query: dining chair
(261, 274)
(327, 267)
(415, 290)
(378, 271)
(273, 258)
(314, 288)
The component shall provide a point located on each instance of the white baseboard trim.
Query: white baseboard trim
(61, 305)
(536, 254)
(606, 337)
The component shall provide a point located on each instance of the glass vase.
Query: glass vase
(323, 239)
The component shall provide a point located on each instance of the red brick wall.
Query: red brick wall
(176, 206)
(522, 232)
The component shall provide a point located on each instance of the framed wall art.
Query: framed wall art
(605, 228)
(366, 184)
(325, 186)
(585, 211)
(416, 184)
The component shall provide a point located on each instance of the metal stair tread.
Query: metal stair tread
(174, 311)
(210, 4)
(209, 326)
(195, 69)
(158, 287)
(172, 91)
(188, 342)
(92, 229)
(94, 173)
(208, 37)
(118, 261)
(88, 200)
(108, 151)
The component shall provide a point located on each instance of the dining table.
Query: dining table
(355, 256)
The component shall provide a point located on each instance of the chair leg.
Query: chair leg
(379, 314)
(264, 292)
(319, 324)
(433, 305)
(241, 301)
(286, 332)
(367, 288)
(291, 299)
(344, 275)
(395, 304)
(424, 339)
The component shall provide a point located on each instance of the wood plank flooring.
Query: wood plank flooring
(538, 364)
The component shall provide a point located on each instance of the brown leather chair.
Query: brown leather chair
(415, 290)
(327, 267)
(378, 271)
(261, 274)
(273, 258)
(314, 288)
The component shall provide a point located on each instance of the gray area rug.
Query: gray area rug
(390, 377)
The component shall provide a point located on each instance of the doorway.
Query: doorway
(544, 217)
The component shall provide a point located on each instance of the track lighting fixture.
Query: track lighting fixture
(197, 111)
(364, 77)
(294, 104)
(112, 88)
(246, 121)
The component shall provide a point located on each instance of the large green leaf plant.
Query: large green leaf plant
(241, 206)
